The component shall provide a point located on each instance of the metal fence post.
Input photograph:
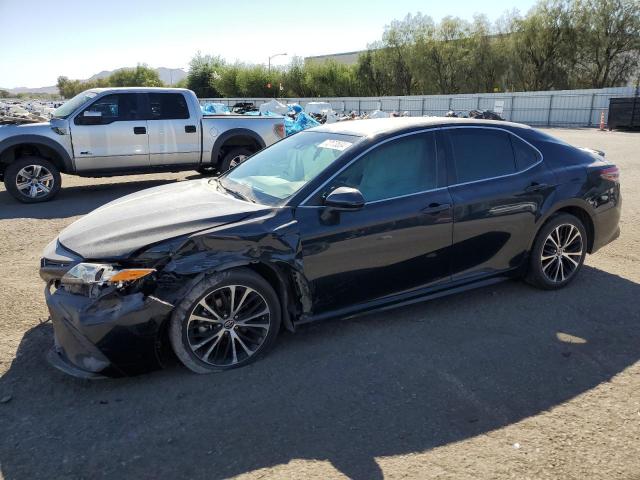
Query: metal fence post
(422, 108)
(550, 107)
(593, 97)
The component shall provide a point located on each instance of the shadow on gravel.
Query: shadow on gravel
(348, 391)
(72, 201)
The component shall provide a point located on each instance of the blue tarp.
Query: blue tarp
(301, 122)
(214, 108)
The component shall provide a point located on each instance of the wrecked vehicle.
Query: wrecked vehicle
(120, 131)
(331, 222)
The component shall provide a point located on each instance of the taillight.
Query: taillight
(279, 130)
(610, 173)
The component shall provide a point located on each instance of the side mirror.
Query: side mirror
(345, 198)
(91, 118)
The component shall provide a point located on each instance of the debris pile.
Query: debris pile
(16, 112)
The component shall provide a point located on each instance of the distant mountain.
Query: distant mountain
(53, 89)
(169, 76)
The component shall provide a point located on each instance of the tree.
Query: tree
(141, 76)
(4, 94)
(608, 41)
(542, 47)
(204, 73)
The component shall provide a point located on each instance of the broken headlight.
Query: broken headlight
(102, 274)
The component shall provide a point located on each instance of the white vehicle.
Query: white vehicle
(119, 131)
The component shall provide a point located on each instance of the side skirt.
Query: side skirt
(405, 299)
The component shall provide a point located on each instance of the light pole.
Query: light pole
(273, 56)
(269, 70)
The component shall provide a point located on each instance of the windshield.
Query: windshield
(277, 172)
(70, 106)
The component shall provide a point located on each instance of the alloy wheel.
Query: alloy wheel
(34, 181)
(228, 325)
(561, 253)
(235, 161)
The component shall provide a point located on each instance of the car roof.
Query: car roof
(375, 126)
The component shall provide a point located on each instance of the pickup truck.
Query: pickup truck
(121, 131)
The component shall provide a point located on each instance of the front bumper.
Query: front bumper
(113, 335)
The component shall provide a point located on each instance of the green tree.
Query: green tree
(140, 76)
(204, 73)
(542, 47)
(4, 94)
(608, 41)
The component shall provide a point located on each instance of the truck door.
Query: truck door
(174, 134)
(111, 134)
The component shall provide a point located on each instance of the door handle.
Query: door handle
(190, 129)
(535, 187)
(139, 130)
(436, 208)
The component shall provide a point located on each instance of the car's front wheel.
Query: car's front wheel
(558, 252)
(32, 179)
(228, 320)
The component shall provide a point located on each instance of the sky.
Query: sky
(42, 39)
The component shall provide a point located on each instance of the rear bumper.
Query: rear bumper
(111, 336)
(606, 225)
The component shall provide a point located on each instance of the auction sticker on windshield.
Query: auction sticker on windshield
(335, 144)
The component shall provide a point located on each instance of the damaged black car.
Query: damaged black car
(331, 222)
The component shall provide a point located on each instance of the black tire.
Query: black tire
(181, 331)
(543, 267)
(232, 155)
(207, 171)
(12, 175)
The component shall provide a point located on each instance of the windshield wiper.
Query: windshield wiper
(234, 192)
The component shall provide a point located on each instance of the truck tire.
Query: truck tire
(32, 179)
(234, 158)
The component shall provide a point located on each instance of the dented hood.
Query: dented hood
(130, 223)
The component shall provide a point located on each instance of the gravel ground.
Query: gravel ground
(502, 382)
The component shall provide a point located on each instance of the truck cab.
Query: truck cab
(121, 131)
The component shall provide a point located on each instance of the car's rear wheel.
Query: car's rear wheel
(32, 179)
(558, 252)
(234, 157)
(227, 321)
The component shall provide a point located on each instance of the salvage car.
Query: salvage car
(121, 131)
(331, 222)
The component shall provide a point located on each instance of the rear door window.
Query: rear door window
(481, 153)
(167, 106)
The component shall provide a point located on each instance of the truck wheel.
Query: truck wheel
(32, 179)
(234, 158)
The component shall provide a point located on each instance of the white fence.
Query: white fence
(578, 108)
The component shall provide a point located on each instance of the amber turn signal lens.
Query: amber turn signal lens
(130, 274)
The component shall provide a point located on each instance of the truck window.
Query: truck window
(168, 106)
(117, 107)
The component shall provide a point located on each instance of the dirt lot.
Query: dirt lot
(502, 382)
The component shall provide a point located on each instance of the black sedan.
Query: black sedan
(331, 222)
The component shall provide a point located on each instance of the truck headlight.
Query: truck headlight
(102, 273)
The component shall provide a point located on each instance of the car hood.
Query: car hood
(119, 228)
